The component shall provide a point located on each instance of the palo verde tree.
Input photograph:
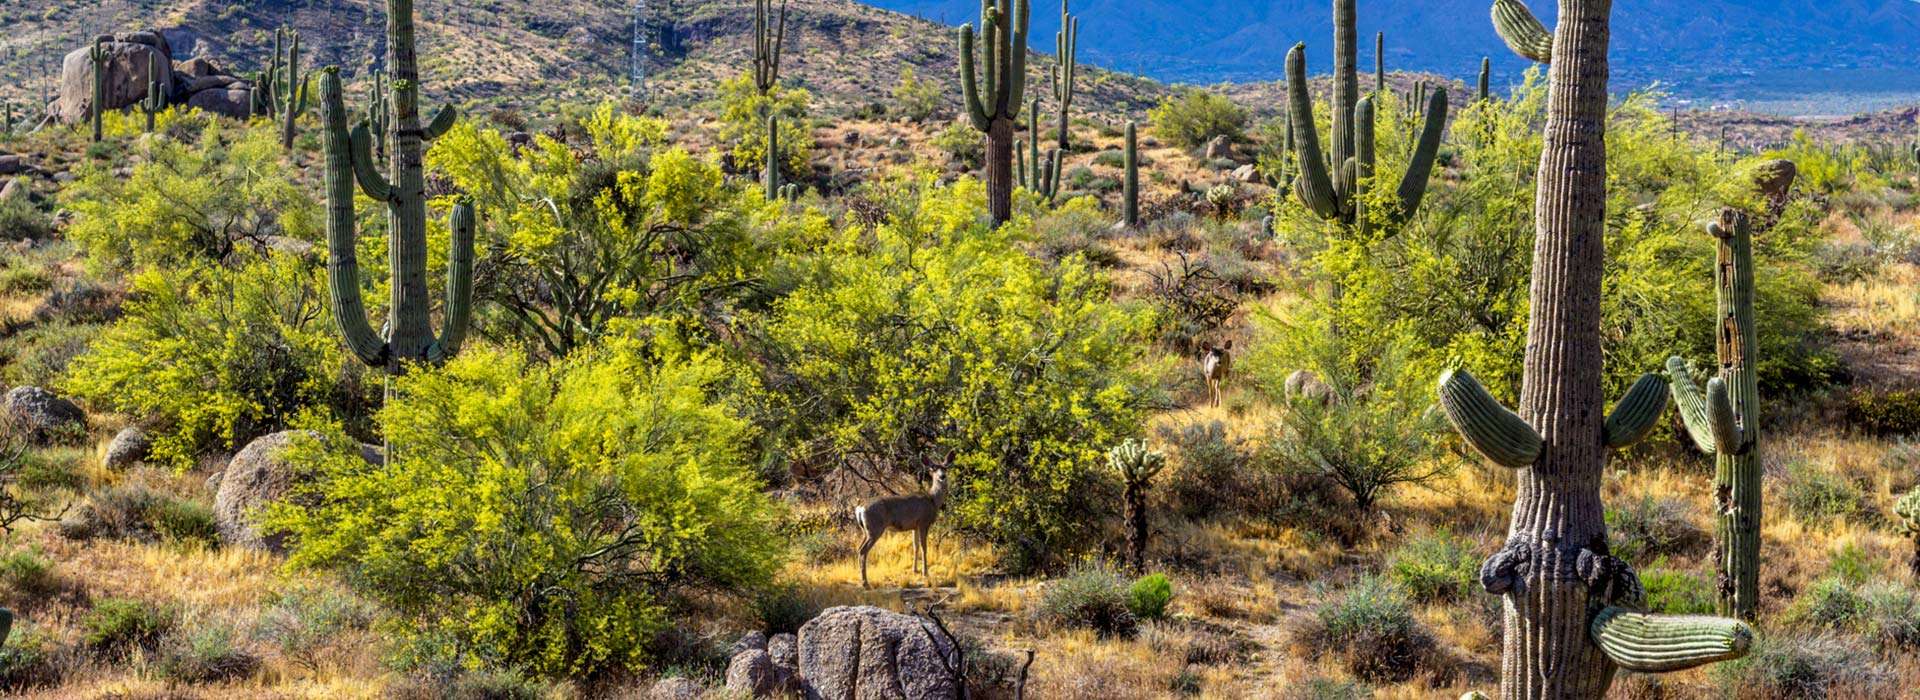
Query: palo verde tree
(1334, 187)
(409, 337)
(993, 101)
(1573, 612)
(1040, 176)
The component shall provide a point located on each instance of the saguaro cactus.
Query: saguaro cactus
(156, 99)
(99, 56)
(769, 38)
(993, 102)
(1725, 421)
(1335, 187)
(379, 111)
(410, 338)
(1136, 465)
(1043, 176)
(1523, 33)
(1486, 75)
(1131, 191)
(771, 176)
(1572, 611)
(287, 85)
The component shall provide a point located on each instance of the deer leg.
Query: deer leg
(1213, 391)
(920, 551)
(865, 546)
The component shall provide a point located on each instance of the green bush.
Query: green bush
(961, 143)
(1782, 666)
(182, 520)
(26, 573)
(302, 622)
(743, 123)
(1893, 412)
(1092, 598)
(134, 512)
(209, 654)
(1435, 565)
(1816, 496)
(1148, 597)
(1653, 526)
(914, 98)
(1371, 627)
(118, 625)
(21, 219)
(612, 484)
(1327, 689)
(1677, 592)
(31, 658)
(216, 356)
(1192, 117)
(42, 354)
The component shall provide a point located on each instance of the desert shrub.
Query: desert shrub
(1677, 592)
(1371, 627)
(1890, 412)
(1219, 476)
(1783, 666)
(216, 356)
(743, 122)
(936, 337)
(454, 683)
(1815, 496)
(1435, 565)
(183, 520)
(131, 511)
(1892, 617)
(26, 573)
(118, 625)
(207, 654)
(1327, 689)
(22, 276)
(611, 484)
(1148, 597)
(188, 201)
(1112, 158)
(21, 219)
(1652, 526)
(19, 500)
(1845, 263)
(1193, 301)
(914, 98)
(782, 609)
(961, 143)
(1091, 597)
(581, 241)
(302, 622)
(42, 354)
(31, 658)
(1077, 227)
(1192, 117)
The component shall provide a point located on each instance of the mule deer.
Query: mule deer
(902, 514)
(1216, 365)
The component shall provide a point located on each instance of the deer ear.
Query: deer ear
(1228, 346)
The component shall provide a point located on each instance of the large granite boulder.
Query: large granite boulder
(256, 477)
(40, 417)
(234, 101)
(126, 73)
(866, 653)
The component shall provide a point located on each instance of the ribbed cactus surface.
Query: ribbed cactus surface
(98, 56)
(1664, 643)
(156, 99)
(993, 84)
(1522, 32)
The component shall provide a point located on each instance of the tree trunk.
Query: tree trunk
(1000, 144)
(1557, 515)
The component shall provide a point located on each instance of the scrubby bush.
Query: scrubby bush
(32, 658)
(937, 338)
(1652, 526)
(134, 512)
(1893, 412)
(1148, 597)
(1192, 117)
(208, 654)
(1092, 597)
(1805, 667)
(42, 354)
(961, 143)
(1817, 496)
(119, 625)
(1677, 592)
(21, 219)
(216, 356)
(914, 98)
(609, 484)
(1371, 627)
(303, 621)
(743, 114)
(1435, 565)
(26, 573)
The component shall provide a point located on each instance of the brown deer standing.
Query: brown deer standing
(902, 514)
(1216, 365)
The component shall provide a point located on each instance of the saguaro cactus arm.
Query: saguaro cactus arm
(343, 266)
(1315, 184)
(1661, 643)
(1636, 414)
(366, 170)
(1523, 32)
(1499, 434)
(1413, 184)
(769, 39)
(1709, 418)
(458, 313)
(442, 122)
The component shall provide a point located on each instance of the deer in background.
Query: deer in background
(902, 514)
(1216, 365)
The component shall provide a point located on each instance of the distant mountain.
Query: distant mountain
(1708, 48)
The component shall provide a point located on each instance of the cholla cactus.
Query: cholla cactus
(1137, 466)
(1906, 512)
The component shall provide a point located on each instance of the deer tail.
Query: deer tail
(860, 516)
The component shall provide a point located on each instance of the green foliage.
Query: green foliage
(743, 112)
(961, 143)
(1885, 412)
(914, 98)
(192, 200)
(1435, 565)
(1371, 627)
(27, 573)
(207, 654)
(588, 242)
(31, 658)
(1784, 666)
(21, 219)
(216, 356)
(609, 485)
(1092, 597)
(1885, 612)
(122, 624)
(1652, 526)
(303, 621)
(1149, 595)
(933, 336)
(1195, 116)
(1816, 496)
(131, 511)
(1677, 592)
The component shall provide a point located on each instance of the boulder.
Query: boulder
(1219, 148)
(198, 68)
(785, 653)
(675, 689)
(129, 447)
(211, 82)
(233, 101)
(260, 475)
(753, 674)
(148, 38)
(749, 642)
(1246, 173)
(15, 187)
(866, 653)
(127, 66)
(40, 416)
(15, 164)
(1305, 384)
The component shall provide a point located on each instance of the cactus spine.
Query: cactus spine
(1131, 190)
(1334, 187)
(771, 177)
(1486, 74)
(99, 56)
(1573, 612)
(1522, 32)
(1136, 466)
(1043, 176)
(993, 100)
(1725, 421)
(156, 99)
(769, 39)
(410, 338)
(287, 85)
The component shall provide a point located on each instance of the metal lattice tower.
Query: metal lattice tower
(637, 71)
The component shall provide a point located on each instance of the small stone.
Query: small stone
(129, 447)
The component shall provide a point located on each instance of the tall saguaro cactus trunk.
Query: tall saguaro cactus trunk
(1130, 208)
(1573, 612)
(410, 336)
(993, 100)
(1725, 421)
